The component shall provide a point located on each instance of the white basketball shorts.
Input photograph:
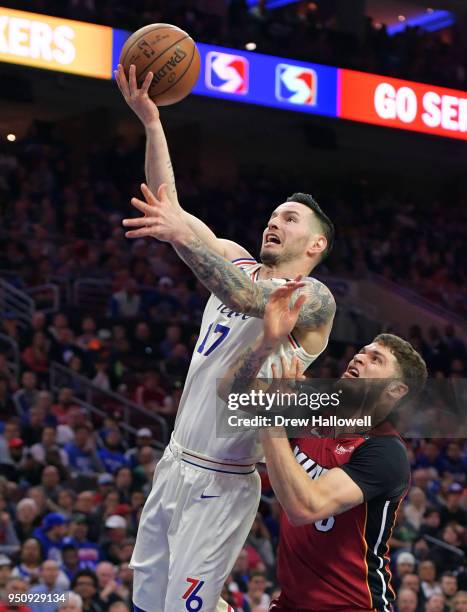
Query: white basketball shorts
(192, 528)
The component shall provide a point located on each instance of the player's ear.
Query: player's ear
(397, 389)
(317, 244)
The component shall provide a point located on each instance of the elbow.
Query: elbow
(298, 518)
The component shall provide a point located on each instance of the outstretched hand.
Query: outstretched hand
(160, 218)
(280, 315)
(137, 98)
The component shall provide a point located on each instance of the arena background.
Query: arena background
(96, 331)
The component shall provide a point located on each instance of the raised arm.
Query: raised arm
(158, 165)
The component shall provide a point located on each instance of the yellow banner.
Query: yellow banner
(55, 44)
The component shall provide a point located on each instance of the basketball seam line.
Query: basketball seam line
(162, 27)
(181, 76)
(144, 71)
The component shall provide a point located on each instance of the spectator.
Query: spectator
(407, 601)
(10, 431)
(460, 602)
(126, 303)
(88, 340)
(124, 483)
(449, 587)
(427, 574)
(70, 561)
(51, 535)
(256, 594)
(260, 539)
(48, 442)
(31, 560)
(15, 586)
(150, 394)
(111, 454)
(82, 456)
(65, 502)
(415, 509)
(61, 410)
(405, 564)
(50, 484)
(444, 558)
(26, 396)
(452, 461)
(109, 590)
(143, 438)
(49, 584)
(453, 510)
(436, 603)
(86, 585)
(431, 523)
(26, 518)
(115, 533)
(89, 552)
(72, 603)
(36, 356)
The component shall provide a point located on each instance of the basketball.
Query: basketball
(170, 54)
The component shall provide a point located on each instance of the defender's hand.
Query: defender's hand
(138, 99)
(160, 218)
(280, 317)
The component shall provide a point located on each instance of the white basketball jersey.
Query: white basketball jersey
(224, 335)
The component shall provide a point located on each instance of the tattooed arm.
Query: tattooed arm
(240, 293)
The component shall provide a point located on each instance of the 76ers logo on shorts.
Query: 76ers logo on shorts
(227, 72)
(296, 85)
(193, 601)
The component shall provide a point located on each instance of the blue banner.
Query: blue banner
(254, 78)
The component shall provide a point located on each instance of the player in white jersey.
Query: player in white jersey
(206, 489)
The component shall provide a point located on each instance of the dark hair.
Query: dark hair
(326, 224)
(84, 572)
(411, 363)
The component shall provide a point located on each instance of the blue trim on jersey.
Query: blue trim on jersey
(136, 609)
(215, 470)
(244, 259)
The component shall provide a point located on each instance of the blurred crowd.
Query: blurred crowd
(68, 222)
(304, 30)
(72, 484)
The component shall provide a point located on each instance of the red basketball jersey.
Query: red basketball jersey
(341, 562)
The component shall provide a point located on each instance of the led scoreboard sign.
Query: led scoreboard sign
(92, 50)
(47, 42)
(402, 104)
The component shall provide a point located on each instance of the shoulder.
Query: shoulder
(387, 448)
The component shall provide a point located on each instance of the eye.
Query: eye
(292, 219)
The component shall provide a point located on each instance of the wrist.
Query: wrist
(153, 126)
(183, 237)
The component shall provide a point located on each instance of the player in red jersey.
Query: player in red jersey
(341, 494)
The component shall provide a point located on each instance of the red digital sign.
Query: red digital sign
(402, 104)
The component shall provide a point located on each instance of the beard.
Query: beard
(269, 258)
(359, 394)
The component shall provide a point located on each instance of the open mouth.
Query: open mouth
(272, 239)
(352, 372)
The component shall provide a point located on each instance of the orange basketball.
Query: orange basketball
(170, 54)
